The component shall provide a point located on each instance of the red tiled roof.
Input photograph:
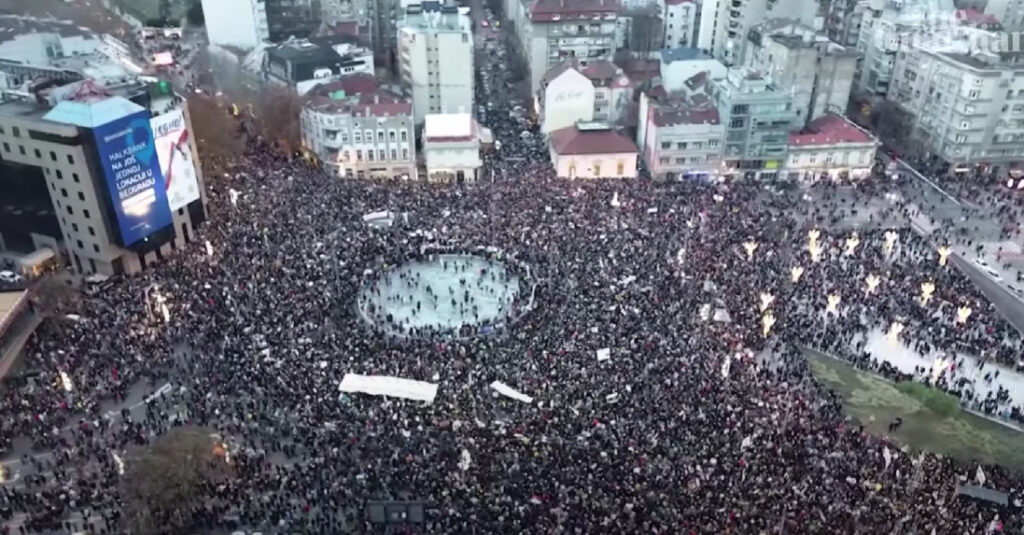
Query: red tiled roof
(565, 10)
(975, 17)
(829, 130)
(352, 84)
(600, 70)
(376, 103)
(686, 114)
(571, 140)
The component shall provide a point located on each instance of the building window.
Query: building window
(74, 176)
(70, 211)
(380, 136)
(405, 153)
(16, 132)
(7, 148)
(71, 159)
(666, 145)
(59, 174)
(53, 156)
(621, 167)
(359, 155)
(357, 136)
(712, 143)
(21, 149)
(85, 213)
(92, 231)
(38, 154)
(74, 227)
(394, 154)
(369, 155)
(736, 123)
(380, 155)
(63, 192)
(597, 168)
(81, 196)
(681, 145)
(96, 247)
(391, 136)
(404, 136)
(80, 244)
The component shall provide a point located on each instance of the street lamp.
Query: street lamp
(851, 244)
(833, 304)
(873, 281)
(767, 321)
(894, 331)
(927, 289)
(944, 252)
(890, 241)
(750, 247)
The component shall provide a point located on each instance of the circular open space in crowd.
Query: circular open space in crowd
(443, 294)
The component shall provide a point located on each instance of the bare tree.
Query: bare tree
(276, 114)
(50, 296)
(166, 481)
(216, 132)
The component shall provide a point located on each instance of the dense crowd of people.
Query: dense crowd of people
(654, 439)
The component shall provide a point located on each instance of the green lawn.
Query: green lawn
(876, 402)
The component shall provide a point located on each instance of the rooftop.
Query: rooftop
(449, 127)
(378, 103)
(11, 26)
(602, 72)
(565, 10)
(973, 17)
(572, 140)
(352, 84)
(669, 55)
(92, 113)
(829, 130)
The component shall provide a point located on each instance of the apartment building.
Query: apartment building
(817, 72)
(724, 23)
(301, 64)
(679, 65)
(435, 60)
(680, 22)
(552, 31)
(575, 91)
(237, 23)
(887, 28)
(681, 135)
(358, 131)
(1009, 13)
(758, 117)
(968, 110)
(451, 147)
(65, 138)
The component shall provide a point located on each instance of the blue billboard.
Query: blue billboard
(129, 162)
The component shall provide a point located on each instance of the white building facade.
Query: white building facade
(238, 23)
(678, 65)
(592, 151)
(968, 110)
(831, 148)
(818, 72)
(553, 31)
(451, 147)
(435, 57)
(564, 100)
(680, 137)
(724, 23)
(370, 135)
(679, 20)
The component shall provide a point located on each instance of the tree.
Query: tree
(50, 296)
(164, 482)
(194, 15)
(276, 114)
(216, 133)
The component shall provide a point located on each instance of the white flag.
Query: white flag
(466, 461)
(980, 476)
(747, 442)
(887, 456)
(725, 366)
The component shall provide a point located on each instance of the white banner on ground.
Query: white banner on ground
(508, 391)
(604, 354)
(384, 385)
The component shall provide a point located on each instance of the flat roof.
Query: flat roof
(9, 303)
(448, 127)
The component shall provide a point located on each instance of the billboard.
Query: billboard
(177, 165)
(128, 158)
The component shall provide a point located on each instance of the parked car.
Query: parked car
(10, 277)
